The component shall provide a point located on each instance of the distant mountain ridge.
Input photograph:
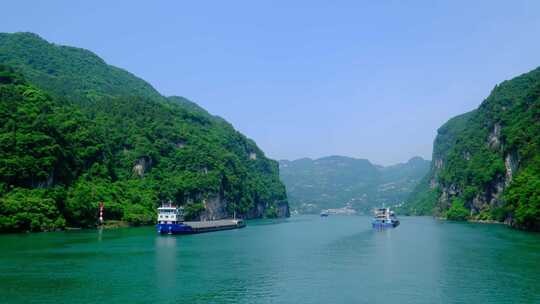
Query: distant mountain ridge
(334, 181)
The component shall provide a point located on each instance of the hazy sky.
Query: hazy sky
(367, 79)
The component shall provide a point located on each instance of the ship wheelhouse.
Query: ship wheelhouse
(170, 215)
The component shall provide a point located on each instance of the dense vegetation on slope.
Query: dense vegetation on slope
(333, 182)
(68, 71)
(421, 199)
(488, 160)
(75, 131)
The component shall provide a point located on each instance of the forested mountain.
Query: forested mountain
(75, 131)
(68, 71)
(486, 163)
(333, 182)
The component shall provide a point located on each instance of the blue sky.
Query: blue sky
(367, 79)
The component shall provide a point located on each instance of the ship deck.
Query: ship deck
(207, 226)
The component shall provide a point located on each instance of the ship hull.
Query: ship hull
(382, 225)
(199, 227)
(174, 229)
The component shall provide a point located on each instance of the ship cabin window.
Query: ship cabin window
(171, 210)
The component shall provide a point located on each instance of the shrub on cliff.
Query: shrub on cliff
(192, 210)
(523, 196)
(457, 211)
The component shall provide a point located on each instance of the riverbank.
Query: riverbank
(472, 221)
(487, 222)
(110, 224)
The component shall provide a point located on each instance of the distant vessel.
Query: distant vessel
(171, 221)
(347, 210)
(384, 218)
(324, 213)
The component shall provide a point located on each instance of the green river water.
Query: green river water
(305, 259)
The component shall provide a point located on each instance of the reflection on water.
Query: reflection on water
(166, 264)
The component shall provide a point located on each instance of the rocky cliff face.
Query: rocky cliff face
(215, 208)
(478, 156)
(490, 194)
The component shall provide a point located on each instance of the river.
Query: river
(304, 259)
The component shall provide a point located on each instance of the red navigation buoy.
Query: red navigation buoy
(101, 212)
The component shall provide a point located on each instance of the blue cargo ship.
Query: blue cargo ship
(171, 221)
(384, 218)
